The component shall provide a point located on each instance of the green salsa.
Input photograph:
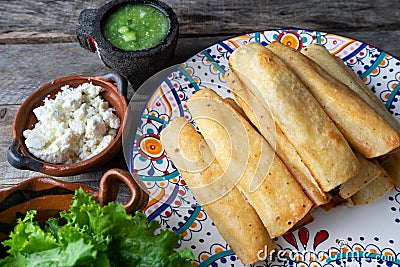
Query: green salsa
(135, 27)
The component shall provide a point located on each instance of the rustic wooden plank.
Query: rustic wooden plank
(24, 68)
(38, 21)
(205, 17)
(41, 21)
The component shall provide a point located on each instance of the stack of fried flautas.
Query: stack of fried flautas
(250, 163)
(303, 93)
(302, 132)
(234, 217)
(386, 166)
(235, 170)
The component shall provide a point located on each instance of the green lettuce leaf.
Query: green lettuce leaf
(94, 236)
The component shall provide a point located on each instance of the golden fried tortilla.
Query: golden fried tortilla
(374, 190)
(340, 71)
(367, 173)
(316, 139)
(362, 126)
(234, 217)
(249, 161)
(259, 115)
(392, 166)
(336, 67)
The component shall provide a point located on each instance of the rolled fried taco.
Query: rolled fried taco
(260, 116)
(248, 160)
(234, 217)
(336, 67)
(362, 126)
(316, 139)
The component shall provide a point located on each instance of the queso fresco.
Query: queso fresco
(135, 27)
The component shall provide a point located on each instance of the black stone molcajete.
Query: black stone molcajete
(136, 66)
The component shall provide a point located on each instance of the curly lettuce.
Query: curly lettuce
(94, 236)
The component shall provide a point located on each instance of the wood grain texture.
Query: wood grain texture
(24, 68)
(41, 21)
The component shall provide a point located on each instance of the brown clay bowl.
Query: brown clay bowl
(49, 196)
(18, 155)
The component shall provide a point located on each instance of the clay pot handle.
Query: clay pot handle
(121, 82)
(18, 160)
(109, 187)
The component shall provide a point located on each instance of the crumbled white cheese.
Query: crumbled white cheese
(76, 125)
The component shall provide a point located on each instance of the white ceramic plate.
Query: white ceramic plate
(346, 236)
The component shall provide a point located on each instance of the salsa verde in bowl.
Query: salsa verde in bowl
(136, 38)
(135, 27)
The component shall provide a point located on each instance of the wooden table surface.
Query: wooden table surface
(38, 43)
